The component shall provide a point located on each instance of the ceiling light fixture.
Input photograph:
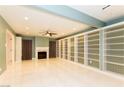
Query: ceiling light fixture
(26, 18)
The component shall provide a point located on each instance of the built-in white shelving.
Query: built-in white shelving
(101, 48)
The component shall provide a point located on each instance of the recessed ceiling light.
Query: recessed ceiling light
(26, 18)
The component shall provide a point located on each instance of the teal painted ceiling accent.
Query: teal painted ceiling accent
(116, 20)
(72, 14)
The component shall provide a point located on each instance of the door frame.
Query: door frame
(13, 45)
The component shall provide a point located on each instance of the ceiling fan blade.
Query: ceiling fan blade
(51, 34)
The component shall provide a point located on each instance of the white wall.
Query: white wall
(18, 49)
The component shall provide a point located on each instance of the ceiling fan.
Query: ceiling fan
(48, 33)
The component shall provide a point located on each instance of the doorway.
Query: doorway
(26, 49)
(10, 47)
(52, 49)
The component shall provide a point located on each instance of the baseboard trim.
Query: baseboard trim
(107, 73)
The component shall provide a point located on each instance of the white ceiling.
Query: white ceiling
(96, 11)
(38, 21)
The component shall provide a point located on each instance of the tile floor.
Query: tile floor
(53, 73)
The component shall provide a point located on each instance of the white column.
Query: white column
(75, 49)
(102, 64)
(59, 48)
(48, 54)
(68, 48)
(63, 48)
(18, 49)
(85, 49)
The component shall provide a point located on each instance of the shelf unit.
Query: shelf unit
(72, 54)
(80, 49)
(62, 49)
(101, 48)
(66, 48)
(57, 48)
(93, 42)
(114, 39)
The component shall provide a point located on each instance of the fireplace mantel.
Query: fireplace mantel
(41, 49)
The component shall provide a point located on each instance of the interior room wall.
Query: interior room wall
(38, 42)
(3, 28)
(41, 42)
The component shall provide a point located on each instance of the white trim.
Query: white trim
(41, 49)
(68, 49)
(99, 29)
(102, 53)
(59, 48)
(104, 28)
(114, 43)
(112, 31)
(120, 64)
(64, 48)
(114, 56)
(114, 49)
(18, 49)
(13, 44)
(75, 49)
(92, 31)
(93, 54)
(105, 52)
(116, 37)
(85, 50)
(113, 25)
(102, 45)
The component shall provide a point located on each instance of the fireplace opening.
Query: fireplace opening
(42, 55)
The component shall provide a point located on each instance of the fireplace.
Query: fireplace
(42, 55)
